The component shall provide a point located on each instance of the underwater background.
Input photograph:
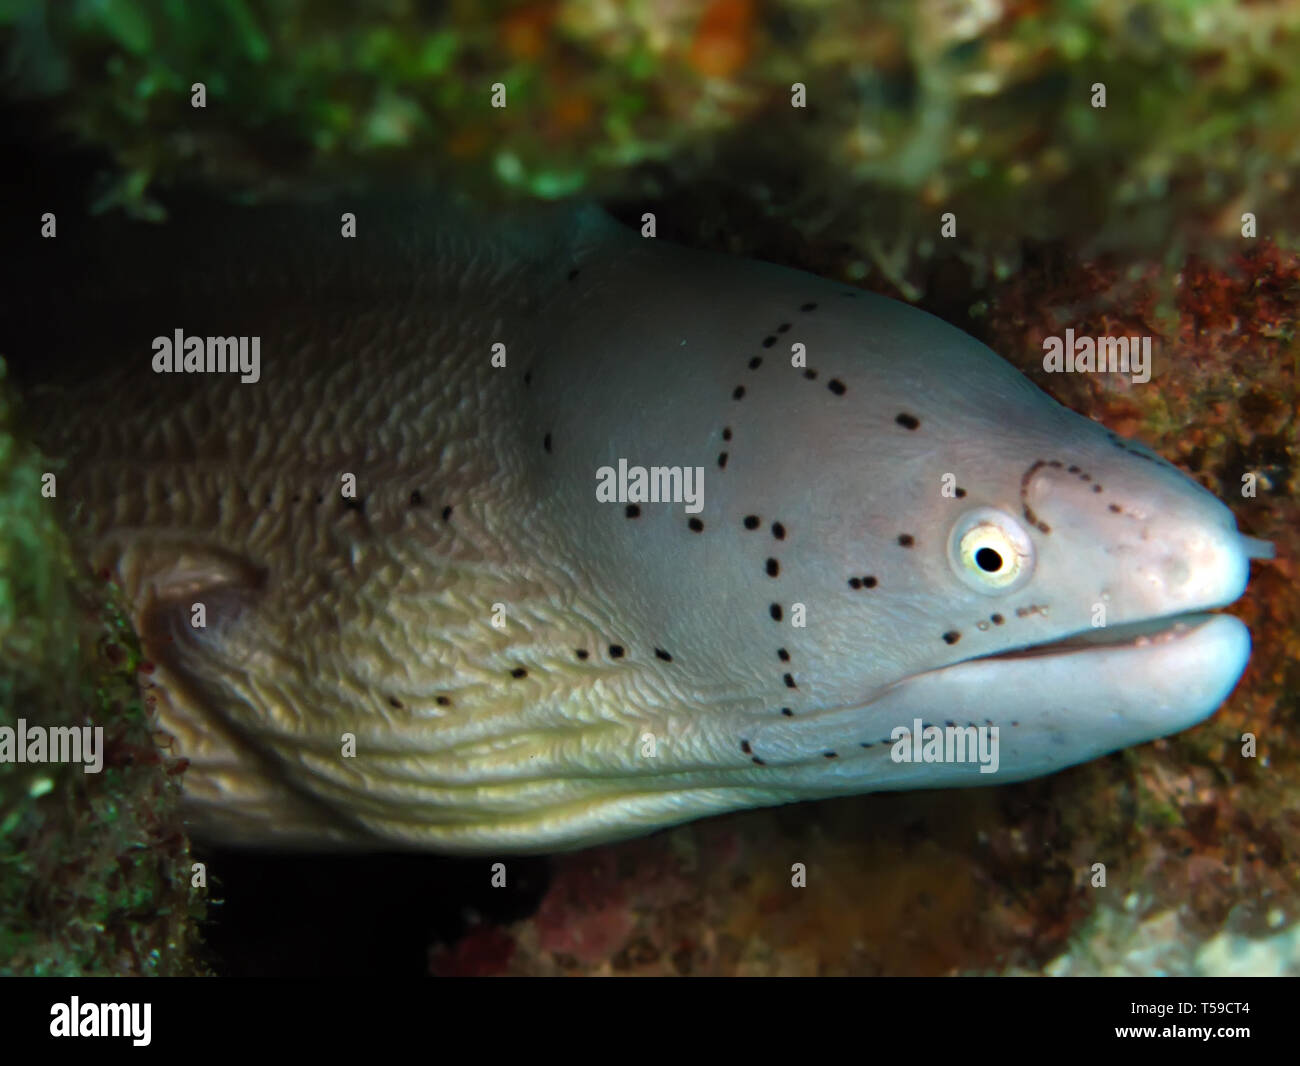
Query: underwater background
(1115, 220)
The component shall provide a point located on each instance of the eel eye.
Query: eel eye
(990, 551)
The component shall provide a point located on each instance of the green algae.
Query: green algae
(913, 110)
(94, 868)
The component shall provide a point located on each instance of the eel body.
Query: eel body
(441, 607)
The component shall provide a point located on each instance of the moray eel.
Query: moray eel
(480, 651)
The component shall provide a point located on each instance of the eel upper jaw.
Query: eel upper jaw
(1140, 634)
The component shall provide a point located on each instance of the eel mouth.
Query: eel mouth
(1055, 704)
(1147, 633)
(1072, 699)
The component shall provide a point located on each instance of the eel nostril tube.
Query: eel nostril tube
(1254, 548)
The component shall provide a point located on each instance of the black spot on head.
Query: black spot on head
(828, 754)
(722, 460)
(1096, 488)
(354, 503)
(758, 762)
(768, 341)
(616, 651)
(632, 511)
(996, 619)
(855, 583)
(696, 525)
(868, 582)
(951, 637)
(960, 492)
(907, 421)
(546, 443)
(320, 498)
(775, 611)
(738, 393)
(787, 712)
(784, 327)
(778, 531)
(573, 274)
(416, 499)
(1115, 507)
(810, 306)
(446, 513)
(581, 653)
(906, 540)
(528, 377)
(744, 746)
(789, 681)
(773, 568)
(836, 386)
(518, 671)
(751, 521)
(726, 433)
(756, 362)
(783, 655)
(810, 374)
(1072, 469)
(442, 701)
(661, 654)
(395, 702)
